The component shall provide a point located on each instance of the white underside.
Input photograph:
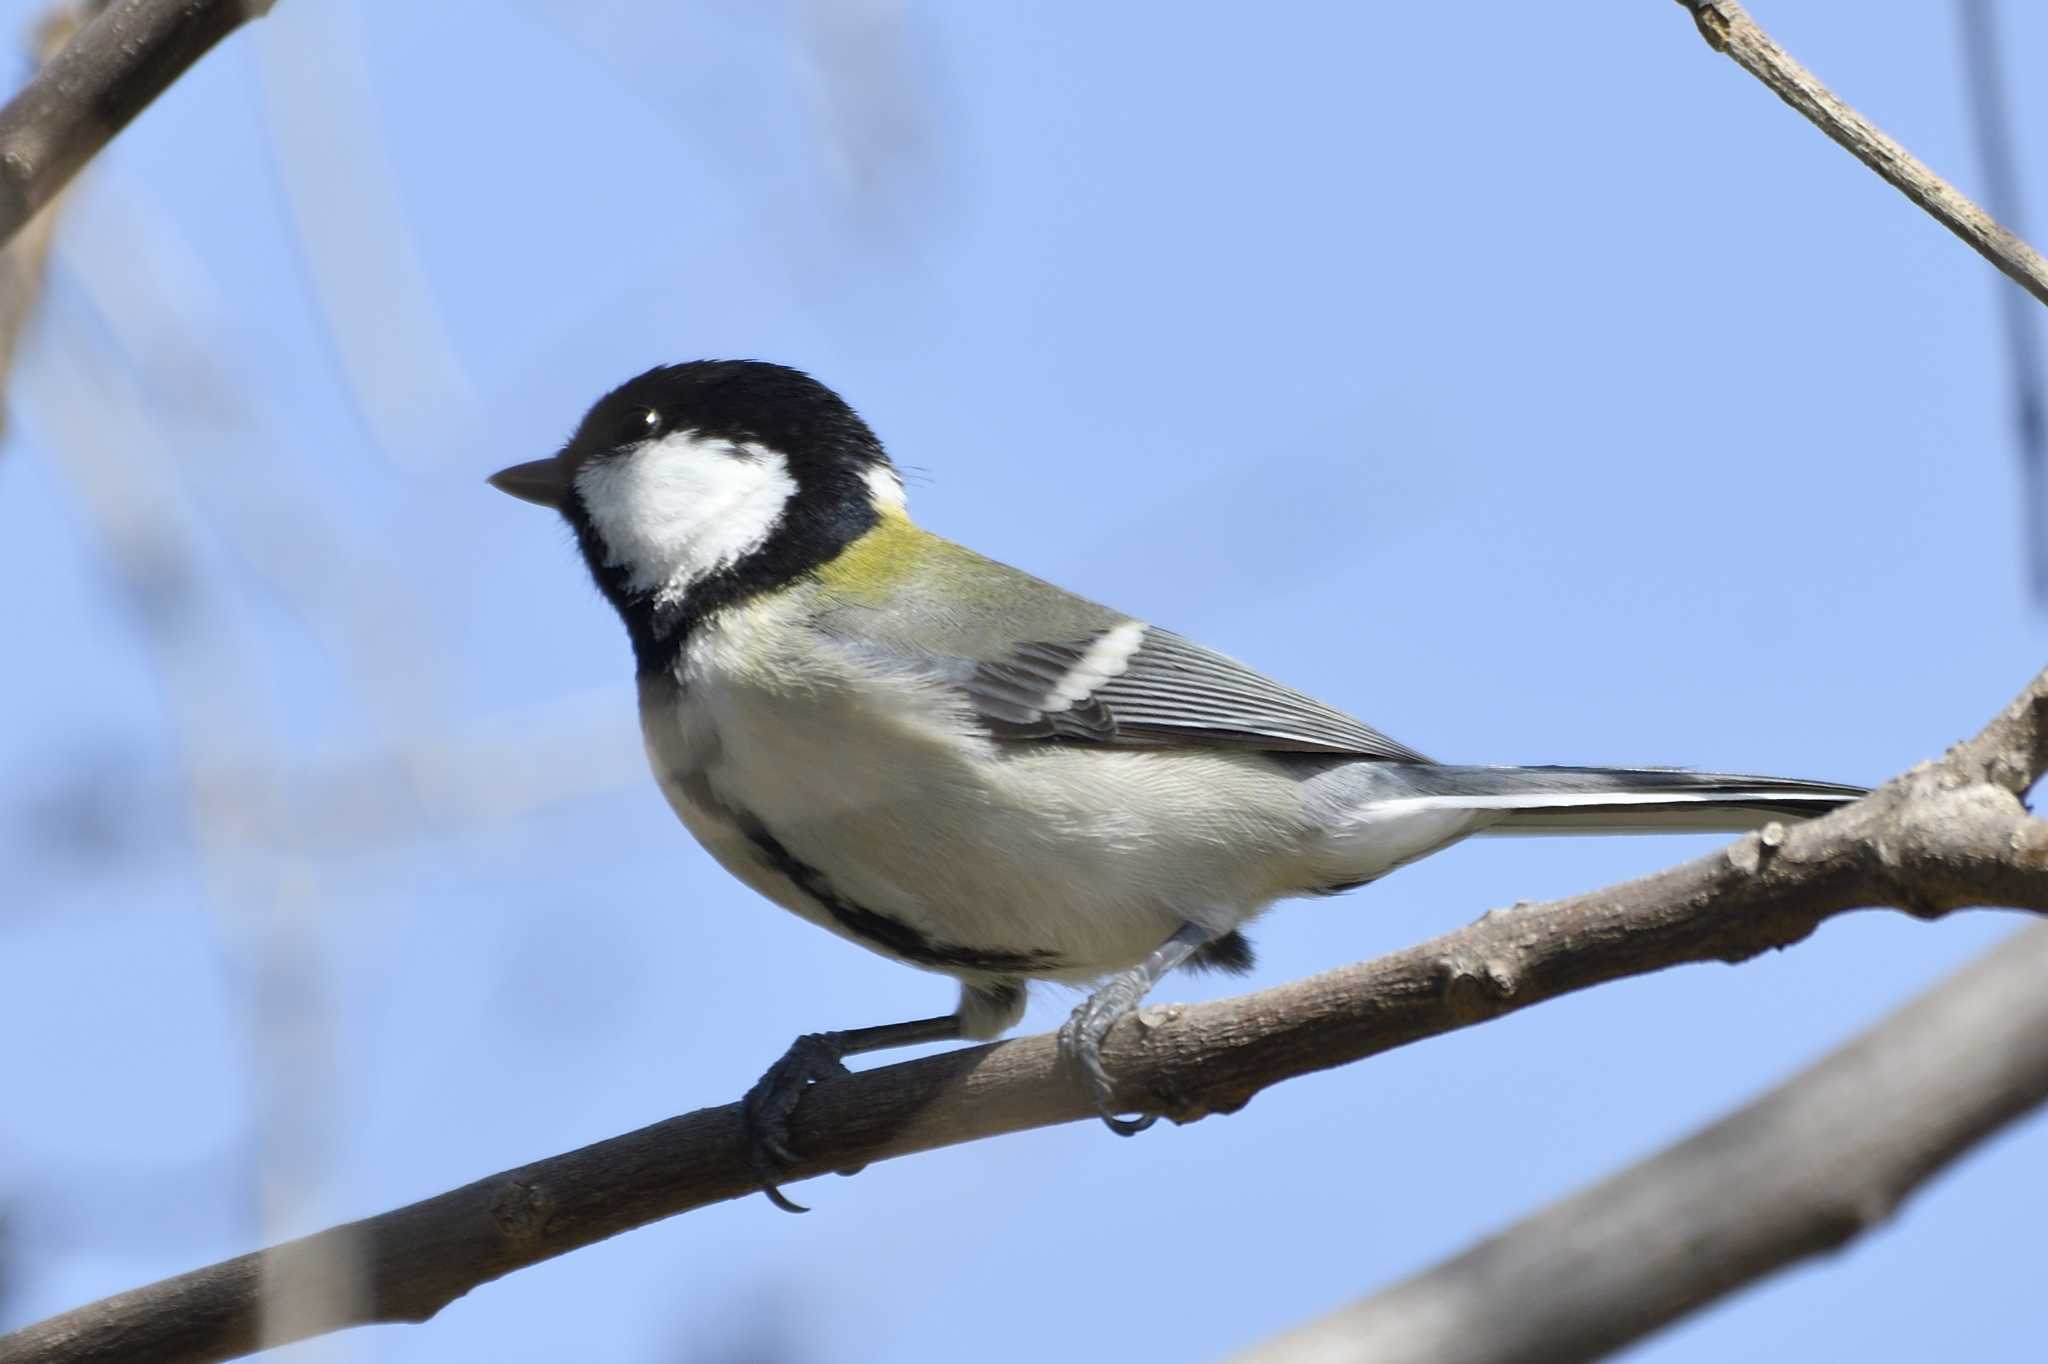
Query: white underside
(1094, 855)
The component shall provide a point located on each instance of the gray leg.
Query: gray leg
(817, 1056)
(1081, 1035)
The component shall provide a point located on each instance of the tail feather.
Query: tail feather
(1624, 800)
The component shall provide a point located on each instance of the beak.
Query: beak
(542, 481)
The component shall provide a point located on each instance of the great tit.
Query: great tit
(969, 770)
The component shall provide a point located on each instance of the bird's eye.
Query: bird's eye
(640, 423)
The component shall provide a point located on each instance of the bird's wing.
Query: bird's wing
(1088, 674)
(1136, 684)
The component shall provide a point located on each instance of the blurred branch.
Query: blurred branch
(124, 58)
(365, 268)
(1806, 1168)
(1728, 28)
(24, 261)
(1944, 836)
(98, 430)
(24, 264)
(1991, 116)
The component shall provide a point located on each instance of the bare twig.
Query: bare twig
(1802, 1170)
(127, 56)
(1728, 28)
(1945, 835)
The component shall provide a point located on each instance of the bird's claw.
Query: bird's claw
(766, 1108)
(1080, 1041)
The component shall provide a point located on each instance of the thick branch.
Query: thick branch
(1728, 28)
(1945, 835)
(103, 78)
(1809, 1166)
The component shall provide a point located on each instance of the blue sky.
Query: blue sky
(1528, 381)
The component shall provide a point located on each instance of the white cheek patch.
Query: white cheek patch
(679, 509)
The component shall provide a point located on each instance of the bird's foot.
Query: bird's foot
(1080, 1040)
(766, 1108)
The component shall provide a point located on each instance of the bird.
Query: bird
(969, 770)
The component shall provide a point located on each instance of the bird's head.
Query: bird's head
(695, 486)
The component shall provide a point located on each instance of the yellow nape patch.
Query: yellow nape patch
(876, 562)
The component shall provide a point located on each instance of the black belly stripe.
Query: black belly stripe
(890, 935)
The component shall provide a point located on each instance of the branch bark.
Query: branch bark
(1944, 836)
(1800, 1171)
(127, 56)
(1728, 28)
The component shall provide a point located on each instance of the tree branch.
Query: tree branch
(1802, 1170)
(1945, 835)
(1728, 28)
(127, 56)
